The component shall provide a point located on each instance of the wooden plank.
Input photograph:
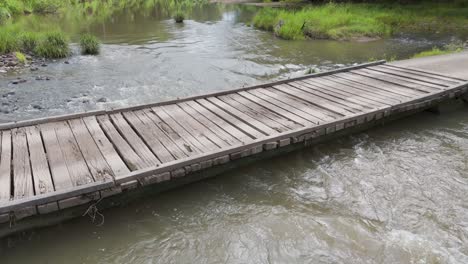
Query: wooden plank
(188, 137)
(22, 176)
(240, 135)
(277, 109)
(58, 168)
(294, 107)
(188, 148)
(159, 143)
(245, 118)
(231, 119)
(5, 166)
(72, 155)
(394, 80)
(390, 87)
(343, 94)
(130, 157)
(191, 98)
(93, 157)
(134, 140)
(320, 113)
(335, 97)
(451, 80)
(357, 96)
(406, 79)
(259, 115)
(427, 72)
(290, 123)
(105, 146)
(39, 164)
(382, 93)
(413, 76)
(204, 135)
(315, 100)
(211, 125)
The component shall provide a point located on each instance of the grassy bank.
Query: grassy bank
(357, 21)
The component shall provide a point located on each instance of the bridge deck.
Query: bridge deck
(59, 162)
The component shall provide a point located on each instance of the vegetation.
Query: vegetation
(355, 21)
(89, 44)
(52, 45)
(179, 17)
(453, 48)
(20, 57)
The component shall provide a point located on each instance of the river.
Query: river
(394, 194)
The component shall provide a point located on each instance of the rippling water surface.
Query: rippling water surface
(395, 194)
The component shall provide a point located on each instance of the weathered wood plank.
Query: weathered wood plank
(59, 170)
(130, 157)
(344, 102)
(315, 100)
(322, 114)
(211, 125)
(428, 73)
(22, 176)
(265, 111)
(5, 166)
(188, 137)
(158, 142)
(296, 119)
(257, 114)
(39, 164)
(381, 93)
(294, 107)
(105, 146)
(379, 84)
(361, 97)
(93, 157)
(72, 155)
(392, 79)
(231, 119)
(221, 123)
(134, 140)
(245, 118)
(188, 148)
(204, 135)
(413, 76)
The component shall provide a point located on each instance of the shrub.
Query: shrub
(4, 15)
(20, 57)
(89, 44)
(28, 41)
(8, 41)
(52, 45)
(46, 6)
(179, 17)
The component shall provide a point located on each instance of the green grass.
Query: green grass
(20, 57)
(52, 45)
(89, 44)
(179, 17)
(355, 21)
(436, 51)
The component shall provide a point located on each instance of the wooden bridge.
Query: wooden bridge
(50, 164)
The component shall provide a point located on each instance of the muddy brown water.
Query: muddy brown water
(394, 194)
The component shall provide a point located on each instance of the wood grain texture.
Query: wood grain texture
(71, 161)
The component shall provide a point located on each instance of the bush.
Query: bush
(53, 45)
(4, 15)
(28, 41)
(8, 41)
(89, 44)
(20, 57)
(46, 6)
(179, 17)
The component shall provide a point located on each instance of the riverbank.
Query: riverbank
(361, 22)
